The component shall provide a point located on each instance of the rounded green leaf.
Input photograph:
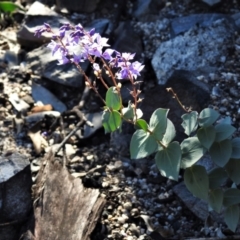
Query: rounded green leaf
(233, 170)
(207, 117)
(215, 199)
(231, 217)
(170, 133)
(9, 7)
(111, 121)
(192, 151)
(196, 181)
(142, 144)
(236, 148)
(158, 123)
(220, 152)
(128, 112)
(168, 160)
(226, 120)
(189, 122)
(231, 197)
(206, 136)
(217, 177)
(223, 131)
(141, 124)
(113, 100)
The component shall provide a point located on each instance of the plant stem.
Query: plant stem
(176, 97)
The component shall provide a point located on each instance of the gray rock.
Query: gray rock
(35, 17)
(11, 58)
(15, 193)
(183, 24)
(36, 117)
(19, 104)
(100, 25)
(141, 8)
(41, 61)
(147, 10)
(41, 94)
(236, 18)
(96, 120)
(197, 206)
(120, 140)
(211, 2)
(11, 165)
(126, 40)
(216, 91)
(85, 6)
(199, 49)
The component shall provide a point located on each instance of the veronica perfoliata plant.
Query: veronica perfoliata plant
(73, 44)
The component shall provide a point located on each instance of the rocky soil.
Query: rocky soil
(191, 46)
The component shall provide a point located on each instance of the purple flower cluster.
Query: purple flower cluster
(74, 44)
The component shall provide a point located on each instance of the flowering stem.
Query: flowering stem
(110, 72)
(103, 82)
(114, 81)
(89, 82)
(176, 97)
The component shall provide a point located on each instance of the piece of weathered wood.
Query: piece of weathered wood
(65, 209)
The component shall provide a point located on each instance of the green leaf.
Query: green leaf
(128, 112)
(236, 148)
(9, 7)
(226, 120)
(113, 100)
(207, 117)
(231, 197)
(215, 199)
(170, 133)
(192, 151)
(233, 168)
(141, 124)
(168, 160)
(206, 136)
(196, 181)
(189, 122)
(220, 152)
(217, 177)
(158, 123)
(142, 144)
(231, 217)
(223, 131)
(111, 121)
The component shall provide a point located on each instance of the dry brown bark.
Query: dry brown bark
(65, 209)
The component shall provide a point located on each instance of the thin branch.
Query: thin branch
(176, 97)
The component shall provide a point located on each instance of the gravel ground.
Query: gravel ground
(140, 203)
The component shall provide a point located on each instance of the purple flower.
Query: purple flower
(95, 50)
(128, 56)
(79, 27)
(80, 57)
(62, 56)
(62, 59)
(53, 46)
(101, 41)
(66, 27)
(45, 28)
(91, 32)
(107, 55)
(135, 68)
(76, 36)
(123, 73)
